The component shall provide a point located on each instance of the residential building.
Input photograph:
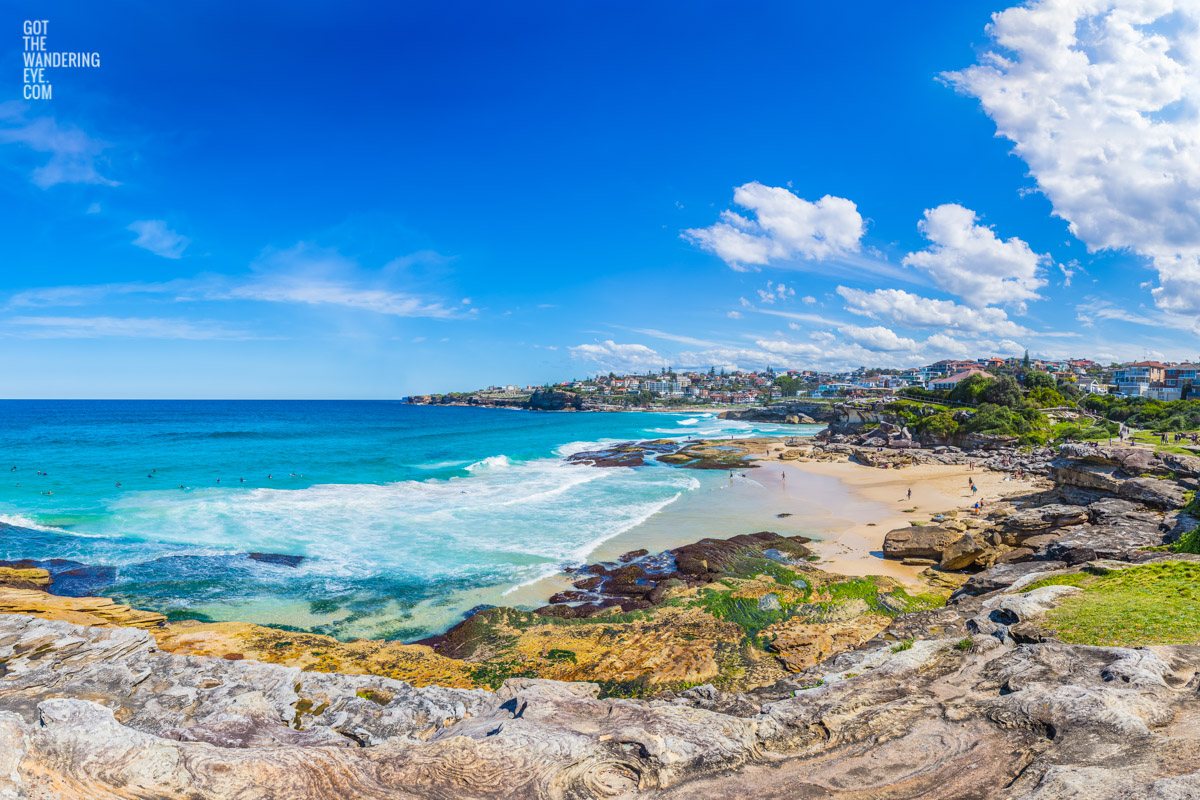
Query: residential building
(1134, 380)
(953, 380)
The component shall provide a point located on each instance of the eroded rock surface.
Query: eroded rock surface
(100, 712)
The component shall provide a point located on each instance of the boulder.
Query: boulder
(964, 551)
(924, 541)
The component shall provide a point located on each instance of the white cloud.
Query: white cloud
(671, 337)
(785, 228)
(775, 292)
(74, 156)
(808, 300)
(1102, 100)
(282, 289)
(734, 315)
(624, 357)
(119, 327)
(968, 259)
(301, 275)
(913, 311)
(318, 276)
(155, 236)
(877, 338)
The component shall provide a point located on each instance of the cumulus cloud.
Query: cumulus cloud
(74, 157)
(784, 227)
(618, 357)
(155, 236)
(877, 338)
(969, 260)
(1101, 98)
(913, 311)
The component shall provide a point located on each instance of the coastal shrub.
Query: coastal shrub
(970, 389)
(1043, 397)
(1142, 412)
(966, 643)
(1188, 543)
(1026, 423)
(940, 424)
(903, 645)
(1151, 604)
(560, 655)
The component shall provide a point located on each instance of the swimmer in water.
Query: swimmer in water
(118, 484)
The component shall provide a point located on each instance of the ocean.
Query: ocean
(404, 517)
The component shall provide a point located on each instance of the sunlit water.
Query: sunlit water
(405, 516)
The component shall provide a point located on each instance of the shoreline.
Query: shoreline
(845, 507)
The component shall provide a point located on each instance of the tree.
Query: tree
(1025, 362)
(969, 389)
(788, 385)
(1039, 380)
(1004, 391)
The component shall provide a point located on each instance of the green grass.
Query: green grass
(1147, 605)
(902, 646)
(964, 644)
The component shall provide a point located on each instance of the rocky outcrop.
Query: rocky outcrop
(99, 712)
(21, 577)
(82, 610)
(801, 645)
(923, 541)
(1130, 472)
(554, 400)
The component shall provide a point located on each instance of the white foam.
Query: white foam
(24, 522)
(491, 462)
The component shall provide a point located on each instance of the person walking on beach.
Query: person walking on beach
(910, 494)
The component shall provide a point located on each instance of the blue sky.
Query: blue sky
(371, 200)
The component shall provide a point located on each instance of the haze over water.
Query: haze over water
(406, 516)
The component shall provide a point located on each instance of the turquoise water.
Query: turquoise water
(405, 516)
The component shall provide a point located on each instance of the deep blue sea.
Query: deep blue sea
(405, 516)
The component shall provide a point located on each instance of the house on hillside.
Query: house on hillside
(1179, 375)
(1089, 385)
(1135, 380)
(951, 381)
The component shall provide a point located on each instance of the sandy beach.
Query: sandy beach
(847, 508)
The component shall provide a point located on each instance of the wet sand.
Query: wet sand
(847, 508)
